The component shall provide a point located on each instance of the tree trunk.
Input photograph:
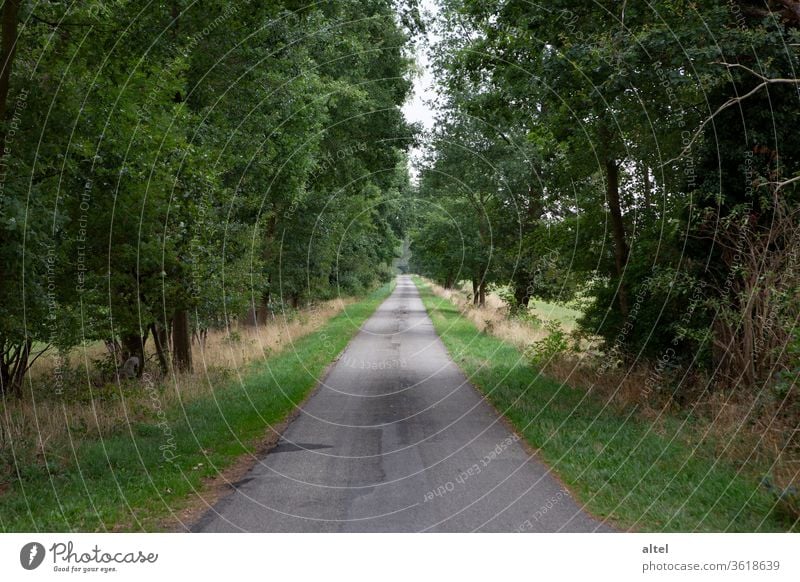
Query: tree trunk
(7, 51)
(162, 350)
(200, 334)
(474, 291)
(262, 310)
(617, 231)
(482, 293)
(114, 350)
(13, 366)
(262, 313)
(133, 346)
(181, 341)
(21, 369)
(521, 298)
(251, 317)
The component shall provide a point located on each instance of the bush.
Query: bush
(105, 368)
(541, 352)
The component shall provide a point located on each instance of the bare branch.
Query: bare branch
(757, 74)
(792, 7)
(779, 185)
(47, 347)
(59, 24)
(765, 81)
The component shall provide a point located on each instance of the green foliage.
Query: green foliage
(790, 377)
(506, 294)
(787, 499)
(215, 158)
(585, 152)
(543, 351)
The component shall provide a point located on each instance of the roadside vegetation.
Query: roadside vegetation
(610, 195)
(641, 468)
(605, 158)
(147, 448)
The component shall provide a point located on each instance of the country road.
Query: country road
(395, 439)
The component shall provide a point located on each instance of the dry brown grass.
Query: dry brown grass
(225, 350)
(492, 318)
(95, 407)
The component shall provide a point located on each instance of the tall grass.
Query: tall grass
(492, 318)
(92, 403)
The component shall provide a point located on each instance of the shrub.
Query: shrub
(541, 352)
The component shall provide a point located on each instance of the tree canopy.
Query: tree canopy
(174, 165)
(639, 156)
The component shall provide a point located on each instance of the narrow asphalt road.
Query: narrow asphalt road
(396, 439)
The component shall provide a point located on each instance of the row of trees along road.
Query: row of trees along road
(170, 166)
(642, 156)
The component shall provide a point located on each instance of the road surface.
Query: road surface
(395, 439)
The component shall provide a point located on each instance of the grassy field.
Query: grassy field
(135, 477)
(567, 316)
(615, 462)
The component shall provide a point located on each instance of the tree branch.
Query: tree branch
(765, 81)
(47, 347)
(792, 7)
(779, 185)
(59, 24)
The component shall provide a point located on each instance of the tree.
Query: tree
(630, 127)
(157, 160)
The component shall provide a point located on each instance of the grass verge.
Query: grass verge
(134, 477)
(616, 463)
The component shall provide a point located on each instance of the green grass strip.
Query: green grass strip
(615, 463)
(123, 480)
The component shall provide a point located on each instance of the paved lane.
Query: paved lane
(396, 439)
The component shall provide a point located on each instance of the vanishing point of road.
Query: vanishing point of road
(396, 439)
